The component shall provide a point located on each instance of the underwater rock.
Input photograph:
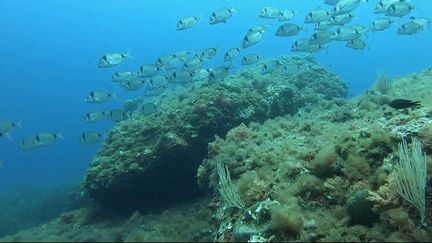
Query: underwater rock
(360, 209)
(153, 159)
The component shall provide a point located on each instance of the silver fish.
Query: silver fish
(187, 22)
(94, 116)
(399, 9)
(218, 74)
(257, 28)
(323, 25)
(90, 137)
(270, 13)
(182, 55)
(157, 81)
(380, 24)
(231, 54)
(99, 96)
(122, 75)
(193, 64)
(221, 15)
(112, 59)
(155, 91)
(133, 84)
(250, 59)
(148, 108)
(207, 53)
(251, 39)
(148, 70)
(7, 126)
(345, 6)
(320, 37)
(409, 28)
(288, 29)
(40, 140)
(347, 33)
(423, 22)
(316, 16)
(286, 15)
(117, 115)
(270, 66)
(341, 19)
(29, 143)
(356, 44)
(181, 76)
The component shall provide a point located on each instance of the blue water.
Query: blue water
(49, 51)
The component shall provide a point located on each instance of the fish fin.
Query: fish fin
(127, 54)
(7, 135)
(60, 135)
(234, 10)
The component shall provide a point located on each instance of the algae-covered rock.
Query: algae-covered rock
(360, 209)
(153, 159)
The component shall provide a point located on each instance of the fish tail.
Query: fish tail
(60, 135)
(19, 124)
(7, 135)
(127, 54)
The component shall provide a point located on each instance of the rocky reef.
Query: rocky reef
(152, 159)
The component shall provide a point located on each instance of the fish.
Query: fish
(423, 22)
(90, 137)
(218, 73)
(286, 15)
(201, 74)
(316, 16)
(168, 62)
(270, 13)
(6, 126)
(123, 75)
(207, 53)
(193, 64)
(345, 6)
(251, 39)
(323, 25)
(221, 15)
(94, 116)
(148, 70)
(303, 45)
(270, 66)
(331, 2)
(403, 104)
(250, 59)
(187, 22)
(409, 28)
(40, 140)
(341, 19)
(231, 54)
(399, 9)
(182, 55)
(356, 44)
(112, 59)
(148, 108)
(117, 115)
(99, 96)
(320, 37)
(348, 33)
(133, 84)
(257, 28)
(181, 76)
(157, 82)
(288, 29)
(155, 91)
(380, 24)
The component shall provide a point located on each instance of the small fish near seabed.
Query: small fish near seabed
(117, 115)
(112, 59)
(122, 76)
(231, 54)
(90, 137)
(7, 126)
(99, 96)
(40, 140)
(252, 38)
(187, 22)
(404, 104)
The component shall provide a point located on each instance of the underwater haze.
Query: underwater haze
(50, 51)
